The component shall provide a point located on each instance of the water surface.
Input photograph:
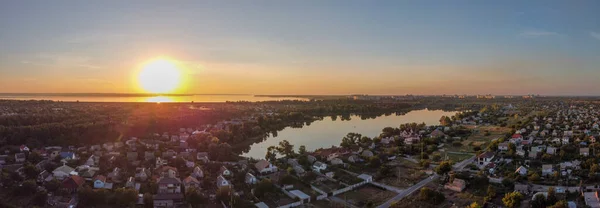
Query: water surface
(327, 132)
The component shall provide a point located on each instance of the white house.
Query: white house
(503, 146)
(521, 171)
(250, 179)
(264, 166)
(222, 182)
(319, 166)
(224, 171)
(485, 158)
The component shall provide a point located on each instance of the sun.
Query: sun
(159, 76)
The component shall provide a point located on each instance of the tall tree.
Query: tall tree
(513, 199)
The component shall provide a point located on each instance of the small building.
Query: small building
(521, 171)
(591, 199)
(20, 157)
(503, 146)
(264, 167)
(367, 153)
(301, 195)
(62, 172)
(250, 179)
(336, 161)
(222, 182)
(191, 183)
(457, 185)
(197, 172)
(585, 151)
(319, 166)
(224, 171)
(485, 158)
(99, 181)
(72, 183)
(547, 169)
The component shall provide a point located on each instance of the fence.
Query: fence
(386, 187)
(349, 188)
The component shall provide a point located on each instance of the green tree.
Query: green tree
(125, 196)
(148, 200)
(271, 154)
(302, 150)
(551, 199)
(30, 171)
(539, 201)
(194, 198)
(491, 192)
(560, 204)
(286, 148)
(445, 121)
(444, 167)
(474, 205)
(263, 187)
(534, 177)
(512, 199)
(374, 162)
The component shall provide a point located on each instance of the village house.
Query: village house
(485, 158)
(132, 156)
(142, 174)
(353, 158)
(547, 169)
(585, 151)
(20, 157)
(148, 155)
(224, 171)
(265, 167)
(168, 185)
(503, 146)
(311, 159)
(367, 153)
(299, 170)
(132, 184)
(198, 173)
(99, 181)
(222, 182)
(592, 199)
(521, 171)
(115, 175)
(72, 183)
(551, 150)
(457, 185)
(250, 179)
(202, 156)
(191, 183)
(23, 148)
(3, 159)
(167, 171)
(336, 161)
(62, 172)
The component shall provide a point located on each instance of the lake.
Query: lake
(327, 132)
(142, 98)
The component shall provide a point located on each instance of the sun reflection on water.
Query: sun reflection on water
(159, 99)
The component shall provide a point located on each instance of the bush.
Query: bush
(431, 196)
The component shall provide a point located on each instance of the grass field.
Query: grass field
(455, 158)
(479, 138)
(367, 196)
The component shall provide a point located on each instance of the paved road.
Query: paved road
(408, 191)
(461, 165)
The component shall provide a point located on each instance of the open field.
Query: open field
(481, 137)
(404, 174)
(457, 157)
(367, 196)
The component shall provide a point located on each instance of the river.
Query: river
(327, 132)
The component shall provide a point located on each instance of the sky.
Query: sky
(304, 47)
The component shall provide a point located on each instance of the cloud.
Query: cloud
(595, 35)
(537, 33)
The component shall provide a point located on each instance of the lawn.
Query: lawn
(456, 157)
(481, 137)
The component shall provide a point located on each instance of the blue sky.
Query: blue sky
(305, 47)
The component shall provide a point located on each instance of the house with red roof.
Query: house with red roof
(73, 183)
